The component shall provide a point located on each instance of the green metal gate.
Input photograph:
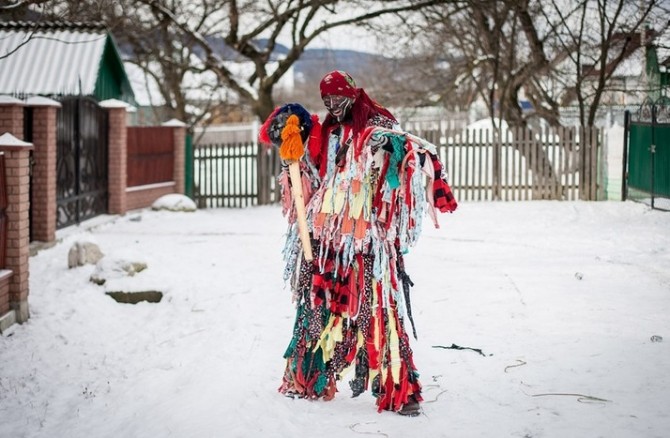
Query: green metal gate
(647, 157)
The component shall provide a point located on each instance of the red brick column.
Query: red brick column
(17, 155)
(179, 132)
(7, 318)
(44, 168)
(11, 116)
(118, 155)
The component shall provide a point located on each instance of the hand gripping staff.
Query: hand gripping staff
(291, 151)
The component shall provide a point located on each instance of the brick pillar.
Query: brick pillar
(17, 156)
(11, 116)
(179, 133)
(118, 155)
(44, 169)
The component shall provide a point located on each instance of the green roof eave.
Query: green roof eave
(111, 55)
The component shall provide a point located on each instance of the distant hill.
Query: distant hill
(317, 62)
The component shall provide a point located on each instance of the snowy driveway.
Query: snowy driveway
(561, 298)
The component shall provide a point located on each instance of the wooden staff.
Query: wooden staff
(291, 151)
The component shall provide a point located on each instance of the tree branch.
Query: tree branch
(212, 59)
(21, 3)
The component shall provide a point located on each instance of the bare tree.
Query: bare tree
(597, 37)
(235, 41)
(494, 50)
(252, 30)
(550, 53)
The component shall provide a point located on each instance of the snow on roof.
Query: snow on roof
(200, 86)
(663, 47)
(147, 92)
(42, 101)
(631, 66)
(196, 86)
(47, 60)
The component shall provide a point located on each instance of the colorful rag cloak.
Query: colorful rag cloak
(364, 210)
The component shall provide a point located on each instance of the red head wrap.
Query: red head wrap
(338, 83)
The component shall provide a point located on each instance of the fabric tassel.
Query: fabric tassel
(291, 148)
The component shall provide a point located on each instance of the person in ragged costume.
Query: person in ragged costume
(365, 200)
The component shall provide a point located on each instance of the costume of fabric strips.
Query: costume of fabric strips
(366, 198)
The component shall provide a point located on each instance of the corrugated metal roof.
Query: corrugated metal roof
(50, 60)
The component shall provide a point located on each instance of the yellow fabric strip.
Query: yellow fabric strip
(357, 205)
(331, 335)
(327, 204)
(339, 201)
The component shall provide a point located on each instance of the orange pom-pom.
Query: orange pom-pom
(291, 148)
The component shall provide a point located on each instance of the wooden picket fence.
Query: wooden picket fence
(520, 164)
(235, 175)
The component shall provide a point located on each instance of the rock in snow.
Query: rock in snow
(174, 202)
(113, 267)
(83, 253)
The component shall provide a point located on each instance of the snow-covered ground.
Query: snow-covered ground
(563, 299)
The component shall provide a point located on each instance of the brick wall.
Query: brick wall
(179, 152)
(118, 156)
(17, 155)
(11, 281)
(144, 196)
(44, 172)
(18, 228)
(5, 276)
(11, 117)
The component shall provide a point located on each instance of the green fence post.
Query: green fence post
(188, 163)
(624, 172)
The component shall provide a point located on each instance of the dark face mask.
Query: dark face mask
(338, 106)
